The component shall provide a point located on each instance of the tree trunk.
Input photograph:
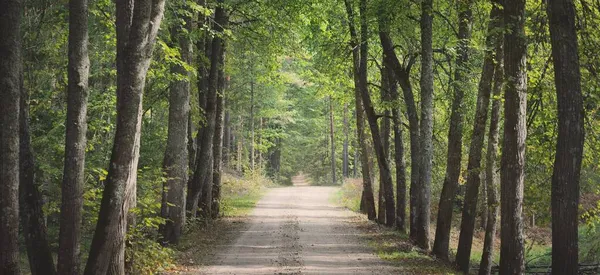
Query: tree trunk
(384, 168)
(515, 131)
(569, 146)
(252, 125)
(10, 89)
(477, 139)
(31, 201)
(332, 138)
(135, 42)
(205, 168)
(75, 143)
(454, 154)
(345, 159)
(426, 128)
(367, 197)
(218, 138)
(176, 159)
(203, 48)
(227, 144)
(398, 156)
(491, 174)
(402, 74)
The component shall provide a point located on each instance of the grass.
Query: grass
(389, 244)
(394, 246)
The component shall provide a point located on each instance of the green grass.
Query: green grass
(241, 205)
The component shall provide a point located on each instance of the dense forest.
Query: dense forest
(119, 119)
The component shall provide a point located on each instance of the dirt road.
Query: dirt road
(296, 230)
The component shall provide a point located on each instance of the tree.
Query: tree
(398, 156)
(332, 139)
(402, 76)
(569, 146)
(426, 131)
(467, 227)
(137, 23)
(491, 166)
(367, 195)
(512, 173)
(382, 162)
(211, 109)
(10, 89)
(76, 141)
(219, 138)
(31, 201)
(454, 154)
(176, 159)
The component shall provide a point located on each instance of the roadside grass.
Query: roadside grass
(394, 246)
(389, 244)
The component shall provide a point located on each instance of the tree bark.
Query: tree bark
(367, 196)
(332, 138)
(176, 159)
(345, 159)
(491, 174)
(75, 143)
(10, 89)
(203, 48)
(218, 138)
(383, 164)
(477, 138)
(454, 154)
(402, 74)
(398, 156)
(515, 131)
(31, 201)
(426, 128)
(204, 170)
(569, 146)
(136, 35)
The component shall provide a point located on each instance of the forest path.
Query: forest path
(297, 230)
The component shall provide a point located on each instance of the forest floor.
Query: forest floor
(298, 230)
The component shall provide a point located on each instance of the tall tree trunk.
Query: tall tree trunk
(10, 89)
(252, 125)
(31, 201)
(426, 127)
(176, 159)
(512, 173)
(569, 146)
(345, 159)
(136, 35)
(205, 168)
(402, 75)
(467, 226)
(398, 156)
(227, 144)
(75, 143)
(454, 154)
(332, 138)
(384, 168)
(368, 199)
(491, 167)
(203, 48)
(218, 138)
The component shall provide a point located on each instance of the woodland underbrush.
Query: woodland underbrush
(538, 245)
